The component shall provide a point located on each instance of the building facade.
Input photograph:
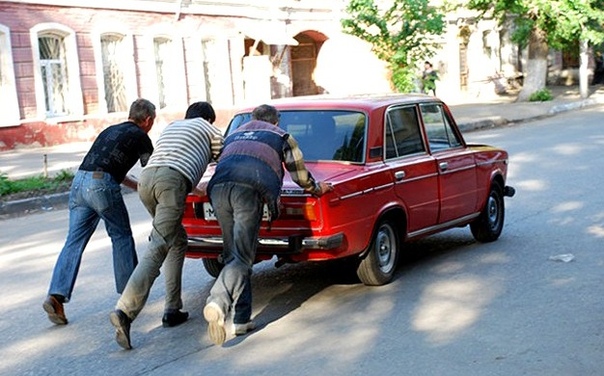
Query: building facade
(68, 69)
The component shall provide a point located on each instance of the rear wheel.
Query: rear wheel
(212, 266)
(488, 226)
(378, 267)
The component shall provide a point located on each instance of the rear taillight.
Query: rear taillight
(300, 211)
(189, 210)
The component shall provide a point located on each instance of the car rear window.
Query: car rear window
(321, 135)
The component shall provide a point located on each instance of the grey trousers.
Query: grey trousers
(163, 191)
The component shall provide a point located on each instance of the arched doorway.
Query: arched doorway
(304, 61)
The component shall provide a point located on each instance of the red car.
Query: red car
(400, 169)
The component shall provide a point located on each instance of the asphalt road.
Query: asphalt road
(455, 307)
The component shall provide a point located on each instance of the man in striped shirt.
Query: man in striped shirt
(183, 151)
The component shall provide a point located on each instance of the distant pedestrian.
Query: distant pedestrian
(95, 194)
(183, 151)
(249, 174)
(598, 77)
(429, 77)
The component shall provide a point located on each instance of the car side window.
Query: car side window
(438, 127)
(403, 136)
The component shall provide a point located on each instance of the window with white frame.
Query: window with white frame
(9, 105)
(57, 73)
(114, 75)
(217, 72)
(53, 67)
(164, 67)
(208, 69)
(115, 68)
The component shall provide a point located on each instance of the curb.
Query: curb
(482, 123)
(575, 105)
(44, 203)
(495, 121)
(34, 204)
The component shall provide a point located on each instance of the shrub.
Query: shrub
(64, 175)
(7, 186)
(542, 95)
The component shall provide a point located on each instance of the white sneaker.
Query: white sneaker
(215, 318)
(241, 329)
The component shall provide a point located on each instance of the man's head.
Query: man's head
(203, 110)
(142, 112)
(266, 113)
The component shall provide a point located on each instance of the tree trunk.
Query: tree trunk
(583, 73)
(536, 65)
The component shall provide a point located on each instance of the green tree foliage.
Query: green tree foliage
(540, 24)
(401, 33)
(564, 22)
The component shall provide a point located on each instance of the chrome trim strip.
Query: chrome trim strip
(321, 242)
(384, 186)
(492, 162)
(464, 168)
(405, 180)
(452, 223)
(351, 195)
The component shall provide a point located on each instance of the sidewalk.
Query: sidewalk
(471, 113)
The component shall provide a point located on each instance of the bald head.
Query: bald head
(266, 113)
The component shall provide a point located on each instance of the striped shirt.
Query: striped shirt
(187, 146)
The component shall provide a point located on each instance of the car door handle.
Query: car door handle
(443, 165)
(399, 175)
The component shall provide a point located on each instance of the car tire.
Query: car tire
(212, 266)
(378, 267)
(488, 226)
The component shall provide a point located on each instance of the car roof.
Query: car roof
(365, 102)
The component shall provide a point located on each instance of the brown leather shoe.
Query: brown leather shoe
(121, 322)
(54, 309)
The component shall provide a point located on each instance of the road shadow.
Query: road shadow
(277, 292)
(280, 291)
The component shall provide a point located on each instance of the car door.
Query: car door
(413, 169)
(455, 164)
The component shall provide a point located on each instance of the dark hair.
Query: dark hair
(140, 110)
(266, 113)
(203, 110)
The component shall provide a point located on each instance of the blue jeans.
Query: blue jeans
(163, 191)
(94, 196)
(238, 209)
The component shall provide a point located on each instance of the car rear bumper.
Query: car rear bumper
(290, 245)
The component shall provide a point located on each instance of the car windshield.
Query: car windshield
(321, 135)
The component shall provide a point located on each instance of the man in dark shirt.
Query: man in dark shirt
(96, 194)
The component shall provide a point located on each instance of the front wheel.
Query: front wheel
(489, 224)
(378, 267)
(213, 266)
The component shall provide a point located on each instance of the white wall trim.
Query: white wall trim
(130, 79)
(75, 99)
(9, 103)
